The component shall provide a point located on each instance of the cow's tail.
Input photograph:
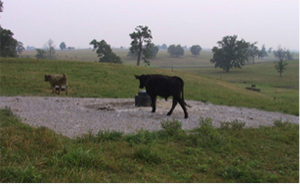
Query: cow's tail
(182, 89)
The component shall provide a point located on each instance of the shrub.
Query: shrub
(172, 127)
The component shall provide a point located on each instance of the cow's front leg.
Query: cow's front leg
(173, 106)
(59, 89)
(53, 89)
(153, 104)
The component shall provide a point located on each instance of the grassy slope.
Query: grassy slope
(171, 155)
(89, 79)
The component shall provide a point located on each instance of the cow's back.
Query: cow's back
(164, 86)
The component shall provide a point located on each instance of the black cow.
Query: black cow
(164, 86)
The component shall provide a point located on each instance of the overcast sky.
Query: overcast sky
(185, 22)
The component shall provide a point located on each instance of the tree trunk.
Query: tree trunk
(139, 54)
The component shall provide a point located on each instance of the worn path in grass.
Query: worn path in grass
(76, 116)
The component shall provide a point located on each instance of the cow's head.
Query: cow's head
(142, 80)
(47, 77)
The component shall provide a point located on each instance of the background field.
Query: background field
(94, 79)
(163, 59)
(205, 154)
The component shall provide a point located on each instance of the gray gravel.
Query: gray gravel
(74, 116)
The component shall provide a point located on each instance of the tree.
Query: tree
(264, 52)
(289, 55)
(195, 50)
(8, 43)
(104, 52)
(9, 47)
(41, 54)
(140, 39)
(175, 51)
(1, 6)
(281, 54)
(270, 50)
(164, 47)
(62, 46)
(231, 54)
(49, 47)
(150, 51)
(20, 48)
(253, 51)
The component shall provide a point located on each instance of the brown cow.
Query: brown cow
(57, 79)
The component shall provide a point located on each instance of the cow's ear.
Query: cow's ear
(137, 77)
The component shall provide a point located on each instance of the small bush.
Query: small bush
(172, 127)
(206, 135)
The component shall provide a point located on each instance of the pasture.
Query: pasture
(205, 154)
(163, 59)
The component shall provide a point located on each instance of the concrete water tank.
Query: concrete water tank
(142, 99)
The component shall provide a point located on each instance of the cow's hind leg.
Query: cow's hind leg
(182, 104)
(153, 104)
(173, 106)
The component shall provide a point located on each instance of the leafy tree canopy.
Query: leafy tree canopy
(1, 6)
(282, 55)
(50, 49)
(150, 51)
(8, 43)
(164, 47)
(175, 51)
(20, 47)
(264, 52)
(62, 45)
(141, 39)
(253, 51)
(195, 50)
(105, 52)
(41, 54)
(231, 53)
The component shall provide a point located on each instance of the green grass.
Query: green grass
(163, 59)
(283, 89)
(93, 79)
(205, 154)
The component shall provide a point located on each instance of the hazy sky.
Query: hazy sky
(185, 22)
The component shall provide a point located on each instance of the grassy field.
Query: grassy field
(94, 79)
(163, 59)
(205, 154)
